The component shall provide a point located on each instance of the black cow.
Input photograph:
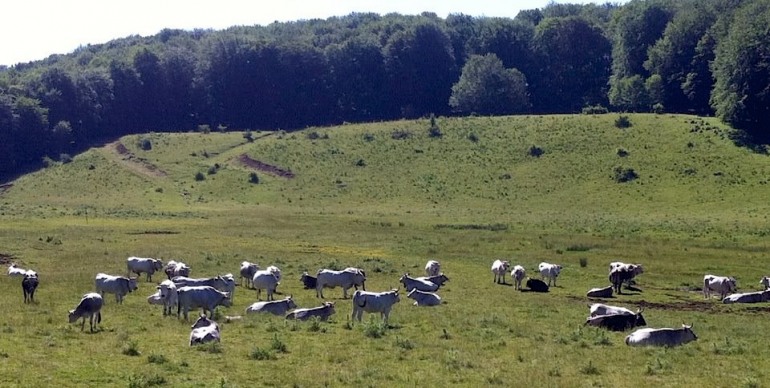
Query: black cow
(617, 322)
(309, 282)
(620, 275)
(537, 285)
(28, 286)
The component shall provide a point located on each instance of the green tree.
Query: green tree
(741, 66)
(486, 87)
(630, 94)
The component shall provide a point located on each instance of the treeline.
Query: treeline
(690, 56)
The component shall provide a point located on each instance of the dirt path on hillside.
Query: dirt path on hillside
(247, 161)
(127, 159)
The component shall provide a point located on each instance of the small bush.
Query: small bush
(536, 151)
(313, 135)
(473, 137)
(204, 128)
(658, 109)
(253, 178)
(210, 347)
(248, 136)
(199, 176)
(315, 325)
(361, 163)
(375, 329)
(623, 122)
(278, 345)
(131, 349)
(145, 144)
(404, 343)
(583, 262)
(400, 134)
(368, 137)
(157, 359)
(261, 354)
(624, 174)
(435, 132)
(622, 152)
(212, 170)
(595, 110)
(590, 369)
(65, 158)
(48, 162)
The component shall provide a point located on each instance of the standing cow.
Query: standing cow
(90, 306)
(661, 337)
(432, 268)
(29, 285)
(347, 279)
(205, 297)
(247, 272)
(549, 272)
(374, 302)
(265, 280)
(176, 268)
(517, 274)
(499, 268)
(140, 265)
(118, 285)
(722, 284)
(168, 292)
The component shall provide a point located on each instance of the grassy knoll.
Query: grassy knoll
(387, 197)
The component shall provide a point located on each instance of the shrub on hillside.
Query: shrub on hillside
(199, 176)
(623, 122)
(253, 178)
(536, 151)
(624, 174)
(145, 144)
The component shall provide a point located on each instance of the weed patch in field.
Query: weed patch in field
(490, 227)
(143, 381)
(131, 348)
(210, 347)
(260, 354)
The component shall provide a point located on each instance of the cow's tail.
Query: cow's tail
(99, 317)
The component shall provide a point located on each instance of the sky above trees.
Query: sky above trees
(34, 29)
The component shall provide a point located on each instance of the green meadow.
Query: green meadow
(672, 192)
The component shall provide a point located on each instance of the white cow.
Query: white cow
(275, 271)
(432, 268)
(90, 306)
(411, 283)
(176, 268)
(205, 297)
(605, 292)
(204, 330)
(347, 279)
(219, 282)
(118, 285)
(139, 265)
(323, 312)
(597, 309)
(749, 297)
(549, 272)
(156, 299)
(518, 273)
(265, 280)
(661, 337)
(168, 292)
(15, 271)
(722, 284)
(499, 268)
(247, 272)
(438, 280)
(422, 298)
(374, 302)
(765, 281)
(633, 270)
(275, 307)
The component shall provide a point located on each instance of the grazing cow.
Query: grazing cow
(536, 285)
(749, 297)
(635, 269)
(118, 285)
(597, 309)
(176, 268)
(308, 282)
(374, 302)
(617, 322)
(661, 337)
(323, 312)
(605, 292)
(620, 275)
(347, 278)
(139, 265)
(275, 307)
(499, 268)
(247, 272)
(765, 281)
(549, 271)
(205, 297)
(438, 280)
(411, 283)
(29, 285)
(722, 284)
(517, 274)
(265, 280)
(15, 271)
(204, 330)
(168, 292)
(424, 298)
(432, 268)
(90, 306)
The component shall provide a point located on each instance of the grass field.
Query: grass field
(387, 197)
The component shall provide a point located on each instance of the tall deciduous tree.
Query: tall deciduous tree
(486, 87)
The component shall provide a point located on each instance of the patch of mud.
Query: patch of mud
(138, 165)
(264, 167)
(5, 258)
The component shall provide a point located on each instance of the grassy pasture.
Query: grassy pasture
(387, 197)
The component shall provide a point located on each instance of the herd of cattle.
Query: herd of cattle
(182, 293)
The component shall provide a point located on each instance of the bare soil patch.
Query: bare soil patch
(247, 161)
(132, 162)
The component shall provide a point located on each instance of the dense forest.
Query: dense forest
(707, 57)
